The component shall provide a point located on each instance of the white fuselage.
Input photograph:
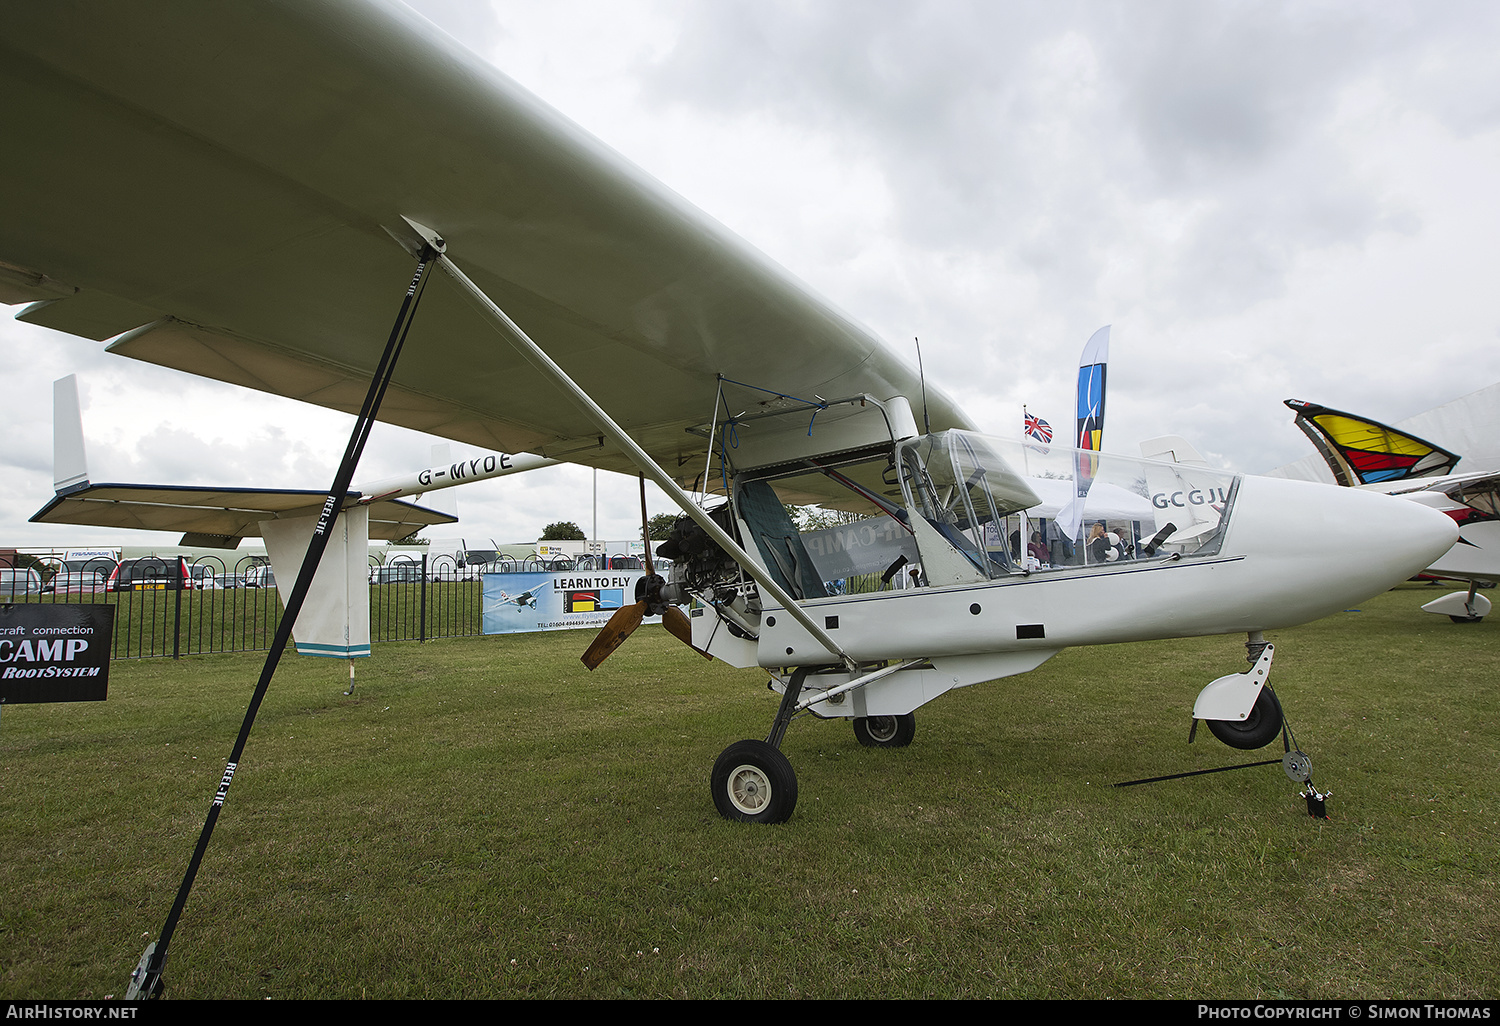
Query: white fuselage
(1293, 552)
(447, 475)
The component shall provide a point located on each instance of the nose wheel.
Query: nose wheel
(1256, 730)
(1240, 708)
(753, 782)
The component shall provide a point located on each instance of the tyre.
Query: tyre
(1255, 731)
(885, 731)
(753, 782)
(1465, 619)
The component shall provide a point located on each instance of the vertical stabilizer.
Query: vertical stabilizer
(1172, 449)
(69, 464)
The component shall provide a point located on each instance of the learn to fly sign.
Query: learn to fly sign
(517, 603)
(54, 653)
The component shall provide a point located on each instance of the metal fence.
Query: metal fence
(238, 609)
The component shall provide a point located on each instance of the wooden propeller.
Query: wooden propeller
(648, 603)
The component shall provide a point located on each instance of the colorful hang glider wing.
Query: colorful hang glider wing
(213, 184)
(1362, 451)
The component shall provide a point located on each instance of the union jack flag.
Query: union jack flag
(1038, 428)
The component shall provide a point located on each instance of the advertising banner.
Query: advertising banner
(54, 653)
(518, 603)
(573, 549)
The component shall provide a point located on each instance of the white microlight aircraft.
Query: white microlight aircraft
(336, 621)
(239, 191)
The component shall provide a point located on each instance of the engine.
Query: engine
(697, 561)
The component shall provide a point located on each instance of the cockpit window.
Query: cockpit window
(965, 490)
(958, 507)
(1014, 507)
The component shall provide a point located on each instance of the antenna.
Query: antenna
(922, 376)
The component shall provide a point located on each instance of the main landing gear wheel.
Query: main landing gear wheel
(1465, 619)
(885, 731)
(1256, 730)
(754, 783)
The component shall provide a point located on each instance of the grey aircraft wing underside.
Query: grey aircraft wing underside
(228, 513)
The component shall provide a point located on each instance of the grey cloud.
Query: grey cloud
(1043, 131)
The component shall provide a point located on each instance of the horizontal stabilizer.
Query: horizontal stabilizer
(221, 512)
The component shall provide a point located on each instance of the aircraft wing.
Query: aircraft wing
(1479, 491)
(1454, 485)
(212, 183)
(226, 514)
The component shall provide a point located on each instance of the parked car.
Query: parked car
(261, 576)
(396, 573)
(76, 582)
(19, 580)
(101, 565)
(152, 573)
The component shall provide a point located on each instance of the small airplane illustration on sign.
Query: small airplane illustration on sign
(526, 599)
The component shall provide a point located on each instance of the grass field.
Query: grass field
(486, 819)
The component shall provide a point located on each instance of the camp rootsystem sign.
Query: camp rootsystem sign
(54, 653)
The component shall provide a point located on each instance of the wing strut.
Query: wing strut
(544, 364)
(145, 981)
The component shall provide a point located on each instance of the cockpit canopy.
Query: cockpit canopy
(967, 507)
(957, 479)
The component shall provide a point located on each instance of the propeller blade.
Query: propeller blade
(626, 620)
(681, 628)
(620, 626)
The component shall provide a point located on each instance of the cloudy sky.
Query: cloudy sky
(1265, 200)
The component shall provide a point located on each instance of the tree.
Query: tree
(660, 526)
(46, 570)
(563, 530)
(815, 518)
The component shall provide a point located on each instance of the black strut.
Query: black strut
(146, 981)
(788, 706)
